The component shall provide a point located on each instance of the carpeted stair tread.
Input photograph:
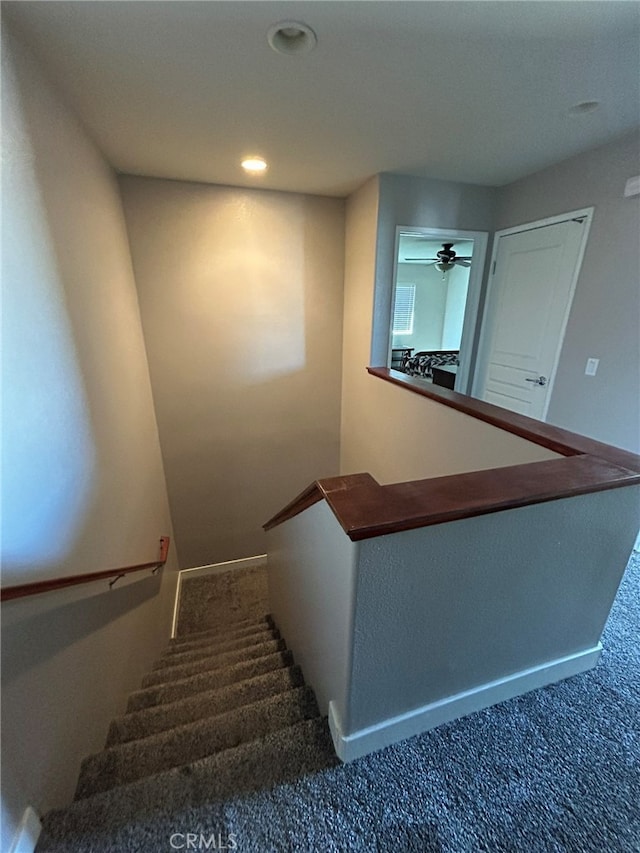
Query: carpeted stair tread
(141, 816)
(221, 634)
(222, 598)
(200, 652)
(211, 662)
(208, 680)
(184, 744)
(140, 724)
(225, 628)
(223, 644)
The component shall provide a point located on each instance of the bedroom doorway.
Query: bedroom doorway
(436, 292)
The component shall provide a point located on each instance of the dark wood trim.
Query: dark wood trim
(317, 491)
(37, 587)
(310, 496)
(558, 440)
(421, 503)
(366, 509)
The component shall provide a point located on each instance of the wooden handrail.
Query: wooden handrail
(317, 491)
(366, 509)
(37, 587)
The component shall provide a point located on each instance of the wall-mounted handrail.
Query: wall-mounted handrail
(21, 590)
(366, 509)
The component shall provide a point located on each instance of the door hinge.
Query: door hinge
(493, 270)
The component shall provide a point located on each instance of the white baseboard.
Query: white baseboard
(27, 833)
(362, 742)
(211, 569)
(215, 568)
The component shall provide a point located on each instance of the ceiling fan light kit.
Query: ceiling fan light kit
(446, 259)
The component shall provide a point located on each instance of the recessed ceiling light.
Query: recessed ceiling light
(291, 37)
(254, 165)
(584, 107)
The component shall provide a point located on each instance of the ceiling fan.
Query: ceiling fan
(446, 259)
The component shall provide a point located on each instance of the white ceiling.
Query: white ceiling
(426, 248)
(470, 91)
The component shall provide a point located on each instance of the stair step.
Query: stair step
(210, 680)
(136, 817)
(223, 644)
(140, 724)
(185, 744)
(170, 673)
(174, 658)
(234, 627)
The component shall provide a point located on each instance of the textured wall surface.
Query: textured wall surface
(417, 438)
(241, 301)
(83, 483)
(380, 431)
(605, 315)
(447, 608)
(312, 593)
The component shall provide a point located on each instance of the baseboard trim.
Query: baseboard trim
(214, 568)
(211, 569)
(27, 833)
(394, 729)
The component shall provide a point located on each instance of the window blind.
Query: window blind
(404, 309)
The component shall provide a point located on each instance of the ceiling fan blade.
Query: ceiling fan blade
(422, 259)
(462, 262)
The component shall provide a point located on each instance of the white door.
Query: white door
(530, 296)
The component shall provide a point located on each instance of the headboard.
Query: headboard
(421, 363)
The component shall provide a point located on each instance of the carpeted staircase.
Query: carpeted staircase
(554, 771)
(223, 712)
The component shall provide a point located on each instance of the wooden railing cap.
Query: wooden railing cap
(365, 509)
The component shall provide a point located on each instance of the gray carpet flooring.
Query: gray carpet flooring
(555, 771)
(220, 600)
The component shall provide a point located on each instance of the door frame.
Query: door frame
(484, 343)
(474, 290)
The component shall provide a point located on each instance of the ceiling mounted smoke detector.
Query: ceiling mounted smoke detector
(291, 37)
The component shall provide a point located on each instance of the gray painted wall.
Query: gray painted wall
(399, 633)
(430, 306)
(447, 608)
(241, 296)
(439, 308)
(83, 485)
(605, 315)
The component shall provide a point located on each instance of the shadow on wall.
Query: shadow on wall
(48, 453)
(66, 667)
(78, 428)
(66, 625)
